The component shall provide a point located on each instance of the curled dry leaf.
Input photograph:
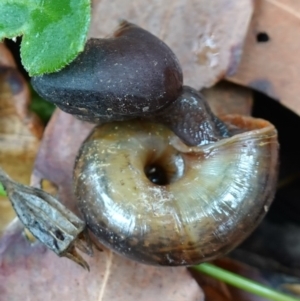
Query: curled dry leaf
(206, 36)
(20, 130)
(227, 98)
(270, 61)
(53, 278)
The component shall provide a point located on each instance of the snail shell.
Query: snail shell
(151, 198)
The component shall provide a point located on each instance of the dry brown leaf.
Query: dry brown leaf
(111, 277)
(206, 36)
(6, 58)
(20, 130)
(272, 67)
(62, 139)
(38, 274)
(227, 98)
(293, 288)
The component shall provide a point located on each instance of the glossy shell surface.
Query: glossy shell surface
(215, 196)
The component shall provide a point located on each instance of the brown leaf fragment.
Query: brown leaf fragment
(293, 288)
(7, 214)
(227, 98)
(270, 61)
(62, 139)
(206, 36)
(20, 129)
(6, 58)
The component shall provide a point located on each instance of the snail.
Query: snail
(148, 196)
(161, 179)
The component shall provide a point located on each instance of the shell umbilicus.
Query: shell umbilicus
(177, 185)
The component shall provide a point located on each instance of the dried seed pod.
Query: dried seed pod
(48, 220)
(148, 196)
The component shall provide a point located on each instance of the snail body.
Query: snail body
(133, 73)
(191, 119)
(207, 200)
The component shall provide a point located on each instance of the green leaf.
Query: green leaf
(54, 31)
(2, 191)
(13, 20)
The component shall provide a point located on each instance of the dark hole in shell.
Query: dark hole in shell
(157, 174)
(165, 169)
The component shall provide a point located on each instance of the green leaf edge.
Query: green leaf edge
(71, 57)
(12, 36)
(19, 32)
(68, 60)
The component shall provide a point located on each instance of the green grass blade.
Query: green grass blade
(2, 191)
(242, 283)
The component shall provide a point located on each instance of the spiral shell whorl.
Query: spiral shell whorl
(215, 196)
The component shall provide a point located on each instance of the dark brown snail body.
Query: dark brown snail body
(191, 119)
(177, 185)
(129, 75)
